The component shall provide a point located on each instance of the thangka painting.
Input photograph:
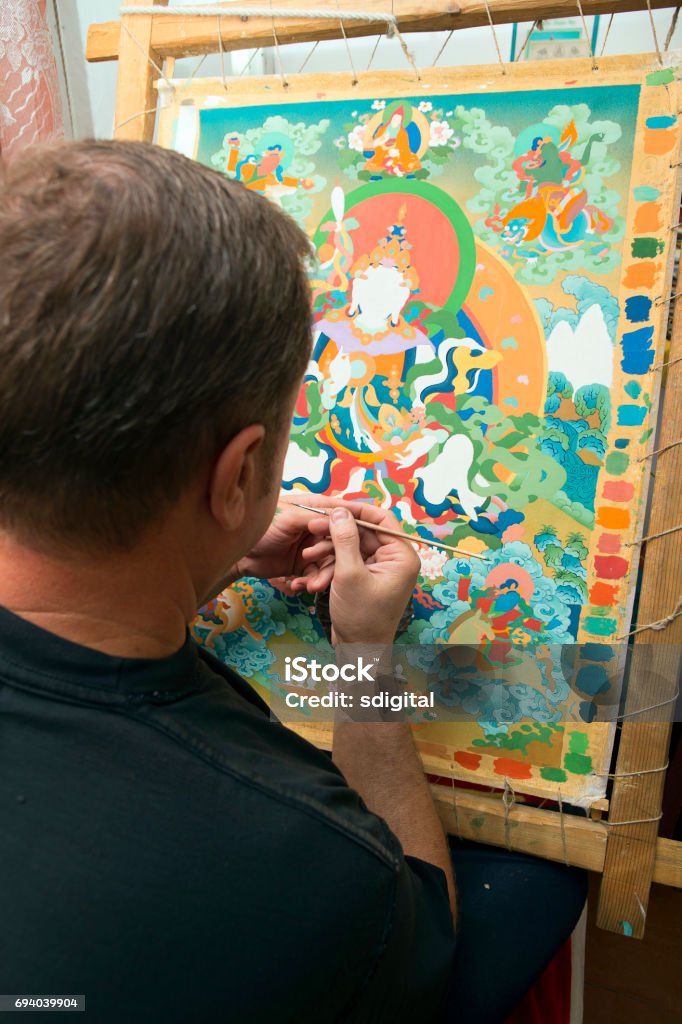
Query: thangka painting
(489, 301)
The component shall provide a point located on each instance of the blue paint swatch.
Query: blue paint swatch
(637, 362)
(631, 415)
(622, 442)
(638, 354)
(592, 679)
(664, 121)
(633, 341)
(596, 652)
(637, 308)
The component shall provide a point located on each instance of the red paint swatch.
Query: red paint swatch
(618, 490)
(469, 761)
(609, 543)
(611, 567)
(511, 769)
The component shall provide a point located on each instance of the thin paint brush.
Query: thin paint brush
(413, 538)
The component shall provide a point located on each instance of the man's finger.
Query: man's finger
(346, 540)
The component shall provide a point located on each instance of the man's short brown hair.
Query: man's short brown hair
(149, 309)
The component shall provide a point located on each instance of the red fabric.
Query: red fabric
(30, 104)
(550, 997)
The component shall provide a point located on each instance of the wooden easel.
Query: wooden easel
(629, 856)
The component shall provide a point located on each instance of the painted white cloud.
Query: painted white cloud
(298, 464)
(583, 354)
(449, 471)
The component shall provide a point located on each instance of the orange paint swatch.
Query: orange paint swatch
(647, 218)
(613, 518)
(603, 594)
(658, 140)
(642, 274)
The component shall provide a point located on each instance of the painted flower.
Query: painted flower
(433, 560)
(425, 106)
(340, 143)
(355, 138)
(379, 105)
(441, 133)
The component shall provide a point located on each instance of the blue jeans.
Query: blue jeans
(515, 913)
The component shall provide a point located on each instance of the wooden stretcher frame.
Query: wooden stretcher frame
(629, 856)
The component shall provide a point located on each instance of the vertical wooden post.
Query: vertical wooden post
(136, 96)
(645, 738)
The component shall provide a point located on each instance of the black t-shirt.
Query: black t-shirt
(170, 853)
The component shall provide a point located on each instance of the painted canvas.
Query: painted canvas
(492, 260)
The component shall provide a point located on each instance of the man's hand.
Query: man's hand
(371, 575)
(374, 575)
(288, 554)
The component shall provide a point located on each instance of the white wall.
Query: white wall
(91, 87)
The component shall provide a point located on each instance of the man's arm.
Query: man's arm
(380, 760)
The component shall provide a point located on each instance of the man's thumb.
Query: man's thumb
(346, 541)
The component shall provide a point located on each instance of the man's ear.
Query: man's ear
(232, 480)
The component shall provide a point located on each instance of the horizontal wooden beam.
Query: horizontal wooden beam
(570, 838)
(481, 818)
(191, 35)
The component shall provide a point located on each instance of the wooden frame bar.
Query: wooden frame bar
(645, 738)
(578, 841)
(185, 35)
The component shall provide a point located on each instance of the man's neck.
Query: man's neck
(135, 605)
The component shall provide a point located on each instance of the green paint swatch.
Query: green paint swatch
(553, 774)
(645, 248)
(617, 462)
(578, 764)
(578, 743)
(600, 627)
(661, 77)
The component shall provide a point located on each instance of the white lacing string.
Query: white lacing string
(595, 66)
(278, 55)
(671, 30)
(146, 55)
(608, 29)
(233, 11)
(441, 50)
(222, 52)
(310, 53)
(654, 32)
(354, 80)
(495, 39)
(373, 53)
(526, 42)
